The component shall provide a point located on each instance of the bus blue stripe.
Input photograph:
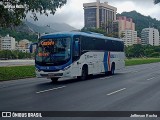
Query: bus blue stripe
(105, 61)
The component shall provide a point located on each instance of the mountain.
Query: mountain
(49, 27)
(28, 30)
(61, 27)
(40, 29)
(24, 28)
(141, 21)
(19, 33)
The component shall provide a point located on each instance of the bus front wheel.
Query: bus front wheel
(54, 80)
(84, 73)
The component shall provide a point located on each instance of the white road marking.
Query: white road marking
(133, 71)
(105, 78)
(150, 78)
(50, 89)
(116, 91)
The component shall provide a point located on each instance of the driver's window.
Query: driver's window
(76, 47)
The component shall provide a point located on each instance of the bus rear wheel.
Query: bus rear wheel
(54, 80)
(112, 69)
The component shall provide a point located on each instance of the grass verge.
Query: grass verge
(138, 61)
(16, 72)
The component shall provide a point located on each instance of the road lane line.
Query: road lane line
(105, 78)
(50, 89)
(116, 91)
(150, 78)
(133, 71)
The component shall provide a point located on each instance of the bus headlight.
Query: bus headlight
(66, 68)
(38, 70)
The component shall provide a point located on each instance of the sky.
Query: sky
(72, 13)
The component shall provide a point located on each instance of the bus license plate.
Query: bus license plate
(51, 75)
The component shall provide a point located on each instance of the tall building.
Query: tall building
(129, 37)
(98, 15)
(126, 30)
(7, 43)
(150, 36)
(125, 23)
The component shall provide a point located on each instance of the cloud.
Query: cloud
(73, 14)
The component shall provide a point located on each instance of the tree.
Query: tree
(14, 54)
(101, 31)
(13, 11)
(156, 1)
(113, 34)
(142, 51)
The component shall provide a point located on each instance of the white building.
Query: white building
(7, 43)
(129, 37)
(150, 36)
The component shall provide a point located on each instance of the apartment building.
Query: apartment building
(7, 43)
(129, 37)
(150, 36)
(125, 23)
(23, 45)
(126, 30)
(99, 15)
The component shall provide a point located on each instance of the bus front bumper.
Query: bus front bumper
(58, 74)
(48, 74)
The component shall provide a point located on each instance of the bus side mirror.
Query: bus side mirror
(76, 48)
(33, 47)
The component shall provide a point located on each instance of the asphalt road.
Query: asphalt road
(137, 88)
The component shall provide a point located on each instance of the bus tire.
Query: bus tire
(54, 80)
(84, 74)
(112, 69)
(106, 73)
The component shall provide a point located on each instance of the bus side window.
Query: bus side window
(76, 47)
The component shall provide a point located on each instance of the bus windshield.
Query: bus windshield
(54, 51)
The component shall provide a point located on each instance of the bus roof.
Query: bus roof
(89, 34)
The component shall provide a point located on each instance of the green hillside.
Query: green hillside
(28, 30)
(18, 35)
(141, 21)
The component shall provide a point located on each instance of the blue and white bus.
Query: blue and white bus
(77, 54)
